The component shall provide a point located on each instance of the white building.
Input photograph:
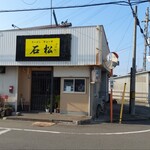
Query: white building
(39, 63)
(142, 89)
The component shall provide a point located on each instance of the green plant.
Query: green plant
(6, 110)
(47, 106)
(48, 103)
(57, 101)
(9, 106)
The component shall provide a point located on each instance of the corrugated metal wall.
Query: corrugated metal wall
(84, 46)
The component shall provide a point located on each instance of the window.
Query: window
(74, 85)
(68, 85)
(79, 85)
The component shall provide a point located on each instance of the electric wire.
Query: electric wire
(125, 32)
(76, 13)
(61, 3)
(27, 18)
(122, 3)
(119, 26)
(127, 48)
(133, 3)
(138, 22)
(29, 3)
(34, 18)
(90, 18)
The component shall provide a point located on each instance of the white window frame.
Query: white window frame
(74, 85)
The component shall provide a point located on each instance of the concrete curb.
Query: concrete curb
(27, 119)
(57, 121)
(84, 121)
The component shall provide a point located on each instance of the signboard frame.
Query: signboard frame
(55, 47)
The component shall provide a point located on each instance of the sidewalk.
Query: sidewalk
(54, 117)
(141, 113)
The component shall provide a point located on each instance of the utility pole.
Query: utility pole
(133, 69)
(146, 37)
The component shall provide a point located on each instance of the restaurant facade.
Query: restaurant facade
(44, 65)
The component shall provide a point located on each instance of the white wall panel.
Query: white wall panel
(9, 78)
(71, 72)
(84, 45)
(141, 89)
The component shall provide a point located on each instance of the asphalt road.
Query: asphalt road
(25, 135)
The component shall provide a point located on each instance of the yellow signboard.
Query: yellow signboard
(42, 47)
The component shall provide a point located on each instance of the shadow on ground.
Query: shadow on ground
(142, 115)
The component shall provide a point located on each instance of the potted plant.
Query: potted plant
(7, 110)
(47, 107)
(57, 103)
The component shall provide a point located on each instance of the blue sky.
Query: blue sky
(117, 20)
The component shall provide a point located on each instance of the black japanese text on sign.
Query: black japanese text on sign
(42, 47)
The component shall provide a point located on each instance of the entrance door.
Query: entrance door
(40, 89)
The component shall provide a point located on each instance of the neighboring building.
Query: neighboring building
(39, 63)
(142, 89)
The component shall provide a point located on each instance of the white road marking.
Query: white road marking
(4, 131)
(57, 132)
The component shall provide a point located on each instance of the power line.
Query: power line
(29, 3)
(121, 39)
(138, 22)
(76, 12)
(122, 3)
